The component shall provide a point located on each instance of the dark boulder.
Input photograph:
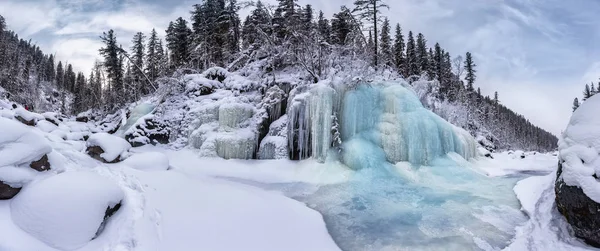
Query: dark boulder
(7, 192)
(581, 212)
(110, 211)
(41, 165)
(83, 119)
(26, 122)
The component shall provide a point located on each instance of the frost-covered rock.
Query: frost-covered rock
(66, 211)
(577, 187)
(107, 148)
(148, 161)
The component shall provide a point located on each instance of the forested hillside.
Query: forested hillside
(282, 40)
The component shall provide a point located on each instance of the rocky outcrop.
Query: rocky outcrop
(581, 212)
(7, 192)
(150, 131)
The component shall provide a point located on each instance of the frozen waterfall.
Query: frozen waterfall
(380, 121)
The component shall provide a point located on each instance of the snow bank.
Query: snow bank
(148, 161)
(19, 144)
(113, 146)
(580, 149)
(65, 211)
(546, 228)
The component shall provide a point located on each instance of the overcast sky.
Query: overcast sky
(538, 54)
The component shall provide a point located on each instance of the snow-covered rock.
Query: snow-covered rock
(66, 211)
(27, 117)
(148, 161)
(107, 148)
(46, 126)
(577, 187)
(275, 144)
(19, 144)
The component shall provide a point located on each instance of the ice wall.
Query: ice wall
(379, 121)
(391, 117)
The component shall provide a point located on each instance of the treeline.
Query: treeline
(588, 92)
(24, 67)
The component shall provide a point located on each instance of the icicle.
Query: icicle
(321, 111)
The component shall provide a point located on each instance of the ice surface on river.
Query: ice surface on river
(446, 206)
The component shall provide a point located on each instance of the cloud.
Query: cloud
(537, 53)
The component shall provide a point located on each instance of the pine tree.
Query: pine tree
(113, 64)
(287, 18)
(370, 10)
(60, 75)
(324, 27)
(399, 57)
(50, 71)
(386, 44)
(307, 18)
(593, 89)
(411, 56)
(371, 45)
(70, 78)
(422, 56)
(137, 57)
(575, 104)
(152, 59)
(256, 24)
(587, 93)
(2, 24)
(341, 27)
(234, 33)
(496, 101)
(470, 70)
(178, 42)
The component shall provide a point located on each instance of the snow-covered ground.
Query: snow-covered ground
(177, 200)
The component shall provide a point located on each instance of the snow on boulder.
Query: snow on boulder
(12, 179)
(577, 187)
(19, 145)
(107, 148)
(67, 210)
(148, 161)
(199, 85)
(27, 117)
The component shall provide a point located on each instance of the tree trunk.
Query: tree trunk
(375, 29)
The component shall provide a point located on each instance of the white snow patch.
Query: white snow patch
(148, 161)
